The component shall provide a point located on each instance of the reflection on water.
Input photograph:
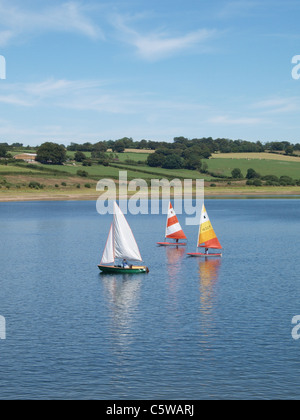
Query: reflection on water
(209, 276)
(123, 294)
(174, 257)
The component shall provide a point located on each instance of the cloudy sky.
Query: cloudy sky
(96, 70)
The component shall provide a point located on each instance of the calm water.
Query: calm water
(191, 329)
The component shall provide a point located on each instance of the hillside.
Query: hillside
(64, 182)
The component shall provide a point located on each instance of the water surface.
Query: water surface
(191, 329)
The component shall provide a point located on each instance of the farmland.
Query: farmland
(269, 164)
(64, 182)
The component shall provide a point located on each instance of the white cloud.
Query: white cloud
(16, 22)
(91, 95)
(56, 88)
(238, 8)
(13, 100)
(50, 92)
(158, 45)
(278, 105)
(223, 119)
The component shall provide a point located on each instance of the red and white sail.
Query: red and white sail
(173, 230)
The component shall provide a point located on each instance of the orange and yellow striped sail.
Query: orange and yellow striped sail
(207, 236)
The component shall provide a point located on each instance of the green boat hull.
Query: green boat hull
(120, 270)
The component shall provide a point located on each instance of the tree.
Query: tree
(152, 145)
(204, 168)
(271, 178)
(51, 153)
(286, 180)
(252, 174)
(104, 159)
(193, 163)
(289, 150)
(128, 142)
(79, 157)
(236, 173)
(98, 149)
(257, 182)
(2, 151)
(119, 147)
(172, 162)
(83, 174)
(181, 140)
(143, 144)
(156, 160)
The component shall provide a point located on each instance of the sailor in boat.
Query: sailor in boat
(206, 251)
(125, 264)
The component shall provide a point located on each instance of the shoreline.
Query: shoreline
(239, 193)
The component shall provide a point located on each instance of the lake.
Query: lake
(190, 329)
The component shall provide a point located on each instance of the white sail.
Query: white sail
(108, 255)
(125, 245)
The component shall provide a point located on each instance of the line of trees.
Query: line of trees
(256, 179)
(222, 145)
(181, 153)
(117, 146)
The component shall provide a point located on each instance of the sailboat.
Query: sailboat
(121, 245)
(207, 237)
(173, 230)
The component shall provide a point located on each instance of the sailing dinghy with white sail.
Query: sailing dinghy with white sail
(121, 245)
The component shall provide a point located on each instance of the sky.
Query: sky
(87, 71)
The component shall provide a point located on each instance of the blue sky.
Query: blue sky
(98, 70)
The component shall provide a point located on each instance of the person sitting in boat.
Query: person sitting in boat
(206, 251)
(125, 263)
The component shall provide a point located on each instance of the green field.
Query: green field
(132, 156)
(148, 172)
(121, 156)
(269, 164)
(15, 152)
(98, 172)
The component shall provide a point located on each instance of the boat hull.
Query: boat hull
(121, 270)
(171, 244)
(201, 254)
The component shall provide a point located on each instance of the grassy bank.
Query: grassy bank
(73, 194)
